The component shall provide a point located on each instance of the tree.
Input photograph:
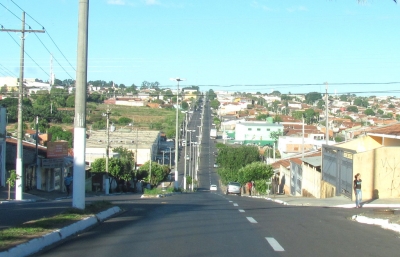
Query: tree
(277, 119)
(11, 181)
(313, 97)
(361, 101)
(58, 133)
(369, 112)
(262, 116)
(352, 108)
(185, 105)
(70, 102)
(158, 172)
(124, 121)
(230, 159)
(118, 169)
(255, 171)
(214, 104)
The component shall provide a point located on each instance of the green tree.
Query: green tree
(255, 171)
(70, 102)
(352, 108)
(230, 159)
(361, 101)
(11, 181)
(214, 104)
(369, 112)
(118, 169)
(58, 133)
(313, 97)
(277, 119)
(124, 121)
(262, 116)
(158, 172)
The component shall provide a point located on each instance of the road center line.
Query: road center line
(274, 244)
(251, 219)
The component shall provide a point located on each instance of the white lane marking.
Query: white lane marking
(230, 201)
(240, 210)
(274, 244)
(235, 204)
(251, 220)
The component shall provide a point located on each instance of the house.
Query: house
(257, 132)
(373, 155)
(143, 144)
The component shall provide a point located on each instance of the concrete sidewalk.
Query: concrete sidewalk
(337, 201)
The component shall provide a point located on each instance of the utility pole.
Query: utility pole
(19, 161)
(107, 189)
(184, 176)
(302, 138)
(78, 200)
(326, 114)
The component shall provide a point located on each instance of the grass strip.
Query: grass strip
(10, 237)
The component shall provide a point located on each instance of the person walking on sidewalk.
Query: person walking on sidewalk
(68, 182)
(357, 189)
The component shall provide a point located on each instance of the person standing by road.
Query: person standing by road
(249, 187)
(357, 189)
(68, 182)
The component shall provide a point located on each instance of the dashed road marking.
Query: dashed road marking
(241, 210)
(274, 244)
(251, 219)
(235, 204)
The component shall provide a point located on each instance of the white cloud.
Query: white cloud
(116, 2)
(152, 2)
(256, 4)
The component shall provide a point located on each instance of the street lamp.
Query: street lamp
(190, 139)
(107, 114)
(170, 157)
(176, 183)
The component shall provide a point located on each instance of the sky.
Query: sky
(291, 46)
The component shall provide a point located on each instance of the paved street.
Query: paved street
(213, 224)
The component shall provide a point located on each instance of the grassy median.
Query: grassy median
(32, 229)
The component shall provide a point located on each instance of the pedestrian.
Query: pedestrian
(357, 189)
(249, 186)
(68, 182)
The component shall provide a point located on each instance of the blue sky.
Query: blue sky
(229, 45)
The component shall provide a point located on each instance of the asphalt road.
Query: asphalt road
(214, 224)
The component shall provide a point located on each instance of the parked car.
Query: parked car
(213, 188)
(215, 165)
(234, 188)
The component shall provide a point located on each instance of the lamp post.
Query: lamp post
(186, 142)
(176, 183)
(107, 114)
(170, 157)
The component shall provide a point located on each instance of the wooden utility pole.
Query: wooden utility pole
(19, 162)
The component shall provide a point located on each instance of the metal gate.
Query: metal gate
(337, 168)
(296, 177)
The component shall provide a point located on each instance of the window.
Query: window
(249, 129)
(258, 129)
(268, 129)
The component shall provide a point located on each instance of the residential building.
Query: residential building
(257, 132)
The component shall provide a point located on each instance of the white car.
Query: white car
(213, 188)
(234, 188)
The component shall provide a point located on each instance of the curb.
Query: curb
(37, 244)
(383, 223)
